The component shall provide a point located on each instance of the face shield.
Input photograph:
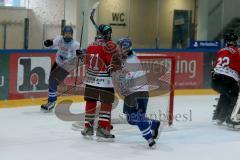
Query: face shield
(68, 37)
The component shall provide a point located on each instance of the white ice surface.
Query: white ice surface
(28, 134)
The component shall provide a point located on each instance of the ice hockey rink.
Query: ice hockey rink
(28, 134)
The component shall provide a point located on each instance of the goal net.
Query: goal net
(160, 71)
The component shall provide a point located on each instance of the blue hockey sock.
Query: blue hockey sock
(52, 90)
(142, 122)
(145, 128)
(154, 123)
(52, 95)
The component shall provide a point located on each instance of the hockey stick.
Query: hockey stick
(77, 65)
(92, 15)
(108, 45)
(96, 26)
(82, 29)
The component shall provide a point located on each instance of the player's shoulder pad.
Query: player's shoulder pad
(229, 49)
(91, 45)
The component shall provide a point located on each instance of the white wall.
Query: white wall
(48, 12)
(143, 26)
(89, 31)
(107, 7)
(15, 28)
(149, 19)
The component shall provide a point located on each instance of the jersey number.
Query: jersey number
(94, 61)
(223, 61)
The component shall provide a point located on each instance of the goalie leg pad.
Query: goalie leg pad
(228, 89)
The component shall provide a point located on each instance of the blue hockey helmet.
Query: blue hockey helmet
(125, 44)
(68, 29)
(67, 37)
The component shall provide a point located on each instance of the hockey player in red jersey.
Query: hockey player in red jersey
(99, 85)
(225, 77)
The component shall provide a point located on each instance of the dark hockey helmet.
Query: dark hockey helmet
(105, 31)
(67, 34)
(230, 39)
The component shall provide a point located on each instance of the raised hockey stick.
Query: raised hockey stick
(92, 15)
(108, 45)
(78, 59)
(96, 26)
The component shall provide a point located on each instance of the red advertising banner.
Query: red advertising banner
(29, 74)
(189, 69)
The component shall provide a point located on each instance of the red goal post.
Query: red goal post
(166, 78)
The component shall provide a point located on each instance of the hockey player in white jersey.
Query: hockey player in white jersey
(68, 49)
(131, 81)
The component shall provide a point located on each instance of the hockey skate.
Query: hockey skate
(218, 122)
(232, 125)
(78, 126)
(87, 132)
(48, 107)
(151, 143)
(104, 134)
(217, 118)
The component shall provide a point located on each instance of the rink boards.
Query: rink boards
(39, 101)
(24, 74)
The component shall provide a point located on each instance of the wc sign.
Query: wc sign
(33, 74)
(118, 19)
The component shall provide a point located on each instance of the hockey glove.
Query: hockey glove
(79, 52)
(80, 55)
(116, 63)
(48, 43)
